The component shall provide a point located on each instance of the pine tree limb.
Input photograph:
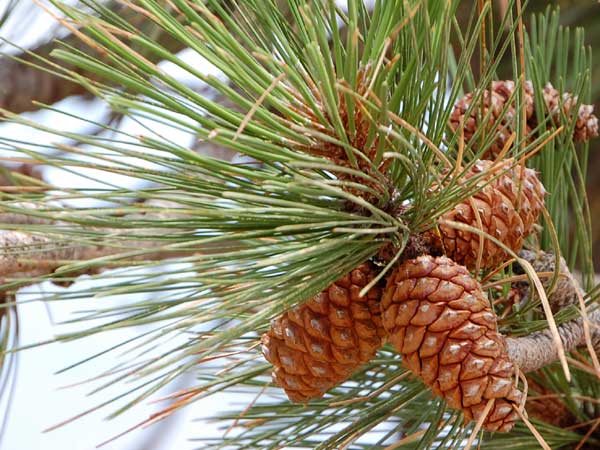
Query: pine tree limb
(24, 257)
(537, 350)
(27, 252)
(566, 290)
(42, 252)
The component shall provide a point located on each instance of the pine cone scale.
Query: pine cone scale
(459, 354)
(505, 208)
(486, 111)
(317, 345)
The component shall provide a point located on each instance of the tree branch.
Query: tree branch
(537, 350)
(25, 257)
(565, 293)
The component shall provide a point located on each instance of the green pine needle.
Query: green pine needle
(247, 242)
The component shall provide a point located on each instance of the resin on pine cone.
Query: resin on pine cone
(320, 343)
(492, 103)
(439, 319)
(508, 207)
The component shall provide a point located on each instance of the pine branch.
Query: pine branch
(564, 290)
(350, 134)
(28, 253)
(27, 256)
(537, 350)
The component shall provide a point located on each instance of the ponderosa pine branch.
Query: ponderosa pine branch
(46, 254)
(299, 240)
(25, 258)
(537, 350)
(25, 252)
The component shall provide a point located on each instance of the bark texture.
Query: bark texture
(534, 351)
(566, 291)
(537, 350)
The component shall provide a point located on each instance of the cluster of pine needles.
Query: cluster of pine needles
(347, 130)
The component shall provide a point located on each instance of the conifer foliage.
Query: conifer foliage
(365, 255)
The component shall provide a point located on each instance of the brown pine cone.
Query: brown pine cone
(508, 207)
(586, 126)
(548, 406)
(491, 106)
(320, 343)
(440, 320)
(362, 126)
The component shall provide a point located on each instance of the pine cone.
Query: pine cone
(492, 104)
(548, 406)
(438, 317)
(508, 208)
(320, 343)
(586, 126)
(363, 126)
